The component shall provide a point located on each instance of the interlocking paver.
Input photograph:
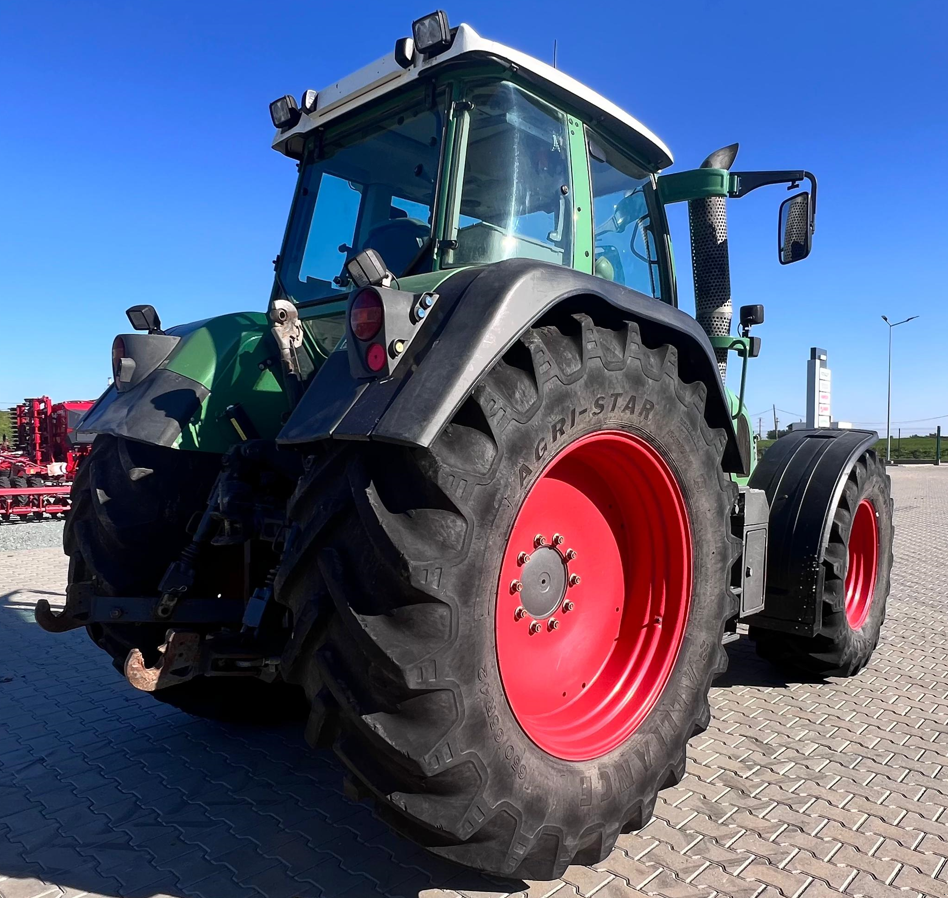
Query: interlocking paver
(798, 789)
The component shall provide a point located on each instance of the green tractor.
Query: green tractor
(473, 494)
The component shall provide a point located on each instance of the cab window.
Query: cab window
(626, 248)
(515, 199)
(367, 185)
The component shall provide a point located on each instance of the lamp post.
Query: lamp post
(888, 410)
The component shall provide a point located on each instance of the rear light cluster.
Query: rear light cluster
(118, 353)
(366, 317)
(381, 324)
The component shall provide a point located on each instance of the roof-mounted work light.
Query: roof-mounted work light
(432, 33)
(404, 51)
(308, 102)
(284, 113)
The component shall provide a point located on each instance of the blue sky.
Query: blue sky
(135, 165)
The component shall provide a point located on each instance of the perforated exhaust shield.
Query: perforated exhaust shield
(707, 219)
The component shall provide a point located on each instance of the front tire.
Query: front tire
(857, 567)
(414, 672)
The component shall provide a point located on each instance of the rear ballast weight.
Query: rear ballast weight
(474, 496)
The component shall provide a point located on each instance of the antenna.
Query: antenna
(554, 53)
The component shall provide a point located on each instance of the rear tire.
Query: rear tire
(131, 504)
(398, 567)
(857, 568)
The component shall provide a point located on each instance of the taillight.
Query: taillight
(375, 358)
(118, 353)
(365, 316)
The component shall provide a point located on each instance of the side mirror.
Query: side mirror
(794, 229)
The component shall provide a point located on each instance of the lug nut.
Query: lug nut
(574, 580)
(523, 558)
(535, 627)
(570, 554)
(554, 623)
(520, 613)
(539, 540)
(516, 586)
(568, 606)
(557, 539)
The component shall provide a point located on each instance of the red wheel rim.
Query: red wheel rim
(583, 663)
(863, 564)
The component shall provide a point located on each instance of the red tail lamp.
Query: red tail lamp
(375, 358)
(365, 315)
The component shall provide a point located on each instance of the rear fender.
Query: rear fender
(803, 475)
(479, 314)
(213, 366)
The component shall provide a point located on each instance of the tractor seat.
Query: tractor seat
(397, 241)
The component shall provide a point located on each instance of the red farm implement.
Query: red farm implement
(36, 476)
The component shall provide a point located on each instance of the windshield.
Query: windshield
(369, 187)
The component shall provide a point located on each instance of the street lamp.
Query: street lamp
(888, 410)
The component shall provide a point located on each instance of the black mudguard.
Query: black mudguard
(803, 475)
(480, 313)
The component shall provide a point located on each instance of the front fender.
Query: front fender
(480, 314)
(217, 363)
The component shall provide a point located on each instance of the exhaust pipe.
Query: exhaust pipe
(707, 219)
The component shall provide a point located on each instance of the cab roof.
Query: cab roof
(385, 75)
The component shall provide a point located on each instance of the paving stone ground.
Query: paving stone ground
(798, 788)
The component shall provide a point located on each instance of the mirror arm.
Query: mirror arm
(745, 181)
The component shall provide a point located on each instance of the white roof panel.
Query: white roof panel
(385, 75)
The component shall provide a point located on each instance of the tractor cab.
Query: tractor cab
(510, 192)
(465, 154)
(455, 152)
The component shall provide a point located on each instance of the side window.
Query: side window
(369, 186)
(626, 250)
(515, 198)
(336, 213)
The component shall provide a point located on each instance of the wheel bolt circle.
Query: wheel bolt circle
(535, 627)
(539, 540)
(568, 606)
(523, 558)
(554, 623)
(570, 554)
(574, 579)
(557, 539)
(516, 586)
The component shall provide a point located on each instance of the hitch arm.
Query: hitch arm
(186, 655)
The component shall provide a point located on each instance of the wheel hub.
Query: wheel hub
(544, 582)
